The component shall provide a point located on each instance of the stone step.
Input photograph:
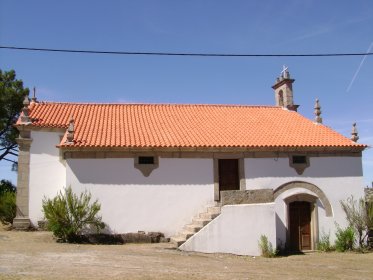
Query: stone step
(177, 241)
(197, 224)
(214, 210)
(192, 228)
(217, 203)
(185, 234)
(200, 222)
(208, 215)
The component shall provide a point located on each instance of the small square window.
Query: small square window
(146, 160)
(299, 159)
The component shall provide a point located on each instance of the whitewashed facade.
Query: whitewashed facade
(180, 188)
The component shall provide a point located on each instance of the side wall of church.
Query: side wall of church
(164, 201)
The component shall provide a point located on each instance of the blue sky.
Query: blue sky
(197, 26)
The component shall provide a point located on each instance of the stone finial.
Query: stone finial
(70, 132)
(25, 117)
(318, 118)
(33, 99)
(354, 133)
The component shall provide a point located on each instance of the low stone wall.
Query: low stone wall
(246, 197)
(136, 237)
(107, 238)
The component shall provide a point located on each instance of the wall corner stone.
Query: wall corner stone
(22, 220)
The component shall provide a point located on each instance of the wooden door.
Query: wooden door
(228, 175)
(300, 225)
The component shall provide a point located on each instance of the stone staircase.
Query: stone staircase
(197, 224)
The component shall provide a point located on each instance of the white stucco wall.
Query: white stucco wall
(337, 177)
(236, 230)
(47, 171)
(181, 188)
(165, 201)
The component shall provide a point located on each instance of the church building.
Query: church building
(213, 178)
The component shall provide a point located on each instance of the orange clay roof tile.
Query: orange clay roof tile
(183, 126)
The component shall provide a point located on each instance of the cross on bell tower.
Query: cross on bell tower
(284, 90)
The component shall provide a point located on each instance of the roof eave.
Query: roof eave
(291, 149)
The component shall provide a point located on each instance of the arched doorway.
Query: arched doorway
(300, 226)
(307, 186)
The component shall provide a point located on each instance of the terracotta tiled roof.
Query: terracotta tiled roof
(184, 126)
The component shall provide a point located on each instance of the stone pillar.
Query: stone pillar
(22, 220)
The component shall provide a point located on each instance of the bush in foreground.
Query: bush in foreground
(69, 216)
(266, 247)
(7, 202)
(359, 214)
(7, 207)
(324, 243)
(345, 239)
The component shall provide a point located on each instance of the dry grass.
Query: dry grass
(36, 255)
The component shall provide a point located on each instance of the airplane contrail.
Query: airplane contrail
(358, 69)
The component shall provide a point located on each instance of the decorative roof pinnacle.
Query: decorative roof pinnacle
(25, 117)
(354, 133)
(70, 131)
(33, 99)
(26, 101)
(318, 118)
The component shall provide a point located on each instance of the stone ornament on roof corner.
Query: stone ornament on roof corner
(318, 118)
(354, 133)
(34, 99)
(25, 115)
(70, 132)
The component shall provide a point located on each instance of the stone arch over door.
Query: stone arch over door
(308, 186)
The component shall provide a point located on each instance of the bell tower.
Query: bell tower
(284, 90)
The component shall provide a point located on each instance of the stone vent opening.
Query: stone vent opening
(299, 159)
(146, 160)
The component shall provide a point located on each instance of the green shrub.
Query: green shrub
(69, 215)
(324, 243)
(7, 207)
(345, 239)
(7, 186)
(266, 247)
(359, 214)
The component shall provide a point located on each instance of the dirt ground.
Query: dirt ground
(36, 255)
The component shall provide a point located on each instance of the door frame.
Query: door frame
(300, 226)
(241, 174)
(312, 200)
